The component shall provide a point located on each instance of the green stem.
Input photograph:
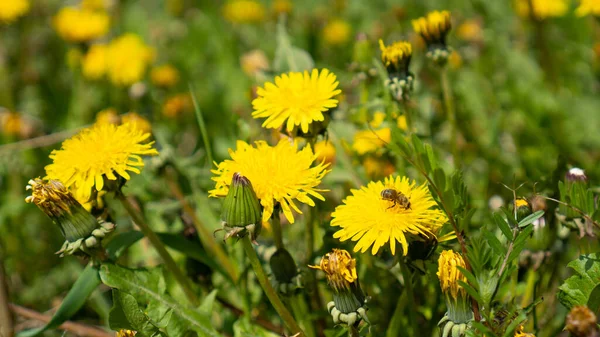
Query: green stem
(183, 281)
(302, 313)
(353, 331)
(451, 115)
(285, 315)
(202, 126)
(276, 226)
(394, 329)
(408, 115)
(395, 325)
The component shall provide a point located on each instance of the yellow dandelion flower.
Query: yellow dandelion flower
(81, 25)
(455, 60)
(297, 99)
(449, 275)
(433, 27)
(164, 76)
(542, 9)
(378, 119)
(339, 268)
(282, 6)
(397, 55)
(402, 123)
(377, 168)
(279, 174)
(244, 11)
(470, 30)
(373, 221)
(325, 152)
(137, 122)
(127, 59)
(337, 32)
(521, 333)
(103, 151)
(126, 333)
(369, 141)
(94, 63)
(108, 116)
(11, 123)
(176, 105)
(588, 7)
(10, 10)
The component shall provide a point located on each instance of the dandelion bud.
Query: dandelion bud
(348, 298)
(241, 212)
(574, 192)
(459, 312)
(396, 58)
(285, 271)
(576, 175)
(581, 322)
(433, 28)
(80, 229)
(523, 208)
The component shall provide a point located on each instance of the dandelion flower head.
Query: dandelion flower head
(433, 27)
(94, 63)
(103, 151)
(373, 221)
(10, 10)
(279, 174)
(81, 25)
(368, 141)
(127, 59)
(339, 267)
(296, 99)
(542, 9)
(337, 32)
(244, 11)
(397, 54)
(449, 274)
(164, 76)
(588, 7)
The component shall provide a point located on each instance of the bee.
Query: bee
(397, 197)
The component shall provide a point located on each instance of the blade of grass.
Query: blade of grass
(201, 124)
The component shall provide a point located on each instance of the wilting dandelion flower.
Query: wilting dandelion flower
(542, 9)
(373, 218)
(459, 312)
(296, 99)
(10, 10)
(337, 32)
(279, 174)
(81, 25)
(102, 152)
(244, 11)
(581, 322)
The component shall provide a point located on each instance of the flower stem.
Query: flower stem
(353, 331)
(285, 315)
(276, 225)
(408, 115)
(451, 115)
(137, 217)
(204, 234)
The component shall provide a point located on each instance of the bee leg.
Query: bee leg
(392, 205)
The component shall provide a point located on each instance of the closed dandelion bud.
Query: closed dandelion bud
(575, 193)
(241, 212)
(434, 28)
(396, 58)
(581, 322)
(348, 305)
(523, 208)
(80, 229)
(126, 333)
(285, 272)
(455, 322)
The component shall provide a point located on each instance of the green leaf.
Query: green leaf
(577, 289)
(126, 314)
(531, 218)
(504, 227)
(82, 288)
(120, 242)
(439, 177)
(208, 301)
(147, 286)
(493, 241)
(288, 57)
(243, 328)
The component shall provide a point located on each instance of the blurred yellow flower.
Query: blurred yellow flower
(378, 118)
(588, 7)
(94, 64)
(368, 141)
(10, 10)
(282, 6)
(297, 99)
(325, 151)
(254, 61)
(373, 221)
(401, 123)
(542, 9)
(96, 5)
(377, 168)
(433, 27)
(126, 333)
(108, 116)
(11, 123)
(455, 60)
(164, 76)
(470, 30)
(127, 59)
(103, 151)
(81, 25)
(279, 174)
(337, 32)
(137, 122)
(397, 55)
(176, 105)
(244, 11)
(449, 275)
